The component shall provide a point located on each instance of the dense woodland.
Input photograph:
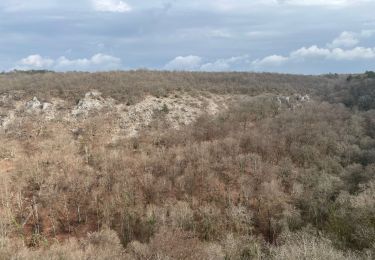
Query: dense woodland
(257, 181)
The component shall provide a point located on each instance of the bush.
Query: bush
(303, 245)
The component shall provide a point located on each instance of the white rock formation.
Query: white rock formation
(175, 110)
(5, 121)
(93, 101)
(33, 104)
(292, 102)
(180, 111)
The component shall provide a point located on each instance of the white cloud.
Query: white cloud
(338, 50)
(367, 33)
(358, 53)
(219, 65)
(37, 61)
(188, 63)
(346, 39)
(195, 63)
(349, 39)
(225, 64)
(97, 62)
(314, 52)
(273, 60)
(100, 61)
(310, 52)
(115, 6)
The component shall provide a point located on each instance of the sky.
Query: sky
(285, 36)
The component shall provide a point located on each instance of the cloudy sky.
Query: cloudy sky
(288, 36)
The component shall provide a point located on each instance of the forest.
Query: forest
(270, 166)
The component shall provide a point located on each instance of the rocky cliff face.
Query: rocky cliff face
(176, 110)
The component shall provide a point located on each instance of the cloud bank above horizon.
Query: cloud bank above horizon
(287, 36)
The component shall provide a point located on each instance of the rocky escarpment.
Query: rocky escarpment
(92, 101)
(291, 102)
(176, 110)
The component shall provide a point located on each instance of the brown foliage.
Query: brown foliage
(222, 187)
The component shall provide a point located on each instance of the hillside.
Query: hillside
(180, 165)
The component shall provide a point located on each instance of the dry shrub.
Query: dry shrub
(137, 250)
(100, 245)
(271, 208)
(181, 215)
(243, 247)
(180, 244)
(203, 191)
(303, 245)
(131, 86)
(209, 224)
(9, 247)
